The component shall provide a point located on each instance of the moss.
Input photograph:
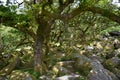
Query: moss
(84, 69)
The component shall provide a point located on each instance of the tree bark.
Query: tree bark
(42, 37)
(38, 51)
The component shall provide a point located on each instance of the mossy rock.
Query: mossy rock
(82, 65)
(112, 63)
(19, 75)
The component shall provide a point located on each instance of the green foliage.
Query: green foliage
(115, 28)
(32, 72)
(88, 3)
(11, 37)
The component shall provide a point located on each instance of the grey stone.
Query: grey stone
(98, 72)
(68, 77)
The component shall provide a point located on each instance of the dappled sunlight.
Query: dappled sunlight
(59, 40)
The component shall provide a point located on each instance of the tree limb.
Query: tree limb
(25, 30)
(98, 10)
(105, 13)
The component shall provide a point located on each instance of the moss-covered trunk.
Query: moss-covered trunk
(38, 51)
(42, 38)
